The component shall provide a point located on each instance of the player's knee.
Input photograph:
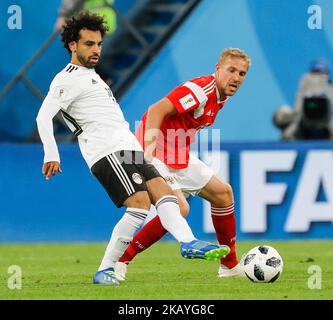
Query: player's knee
(184, 209)
(227, 190)
(223, 195)
(158, 188)
(138, 200)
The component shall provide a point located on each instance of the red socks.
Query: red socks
(225, 227)
(148, 235)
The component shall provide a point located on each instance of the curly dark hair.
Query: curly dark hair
(82, 20)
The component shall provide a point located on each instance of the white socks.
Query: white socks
(168, 210)
(122, 235)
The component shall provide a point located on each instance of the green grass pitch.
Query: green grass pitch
(65, 271)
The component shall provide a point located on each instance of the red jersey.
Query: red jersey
(197, 102)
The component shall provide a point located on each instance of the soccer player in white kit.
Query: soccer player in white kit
(111, 151)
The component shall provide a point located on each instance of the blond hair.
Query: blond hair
(235, 53)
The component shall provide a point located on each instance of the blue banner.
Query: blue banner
(282, 191)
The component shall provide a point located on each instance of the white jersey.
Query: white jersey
(90, 111)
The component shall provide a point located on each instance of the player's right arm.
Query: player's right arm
(63, 91)
(182, 99)
(51, 165)
(155, 115)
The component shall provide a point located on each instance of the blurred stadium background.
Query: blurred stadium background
(282, 190)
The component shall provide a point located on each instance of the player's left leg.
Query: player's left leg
(152, 232)
(220, 196)
(168, 210)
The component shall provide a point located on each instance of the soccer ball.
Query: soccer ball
(263, 264)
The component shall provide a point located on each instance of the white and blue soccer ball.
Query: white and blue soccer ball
(263, 264)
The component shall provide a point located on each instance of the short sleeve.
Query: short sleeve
(63, 93)
(187, 97)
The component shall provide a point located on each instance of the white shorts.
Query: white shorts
(190, 180)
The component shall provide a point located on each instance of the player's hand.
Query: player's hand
(51, 169)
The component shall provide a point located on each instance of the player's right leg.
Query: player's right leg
(150, 233)
(126, 187)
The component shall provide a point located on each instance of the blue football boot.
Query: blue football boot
(198, 249)
(106, 276)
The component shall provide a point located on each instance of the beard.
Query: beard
(85, 61)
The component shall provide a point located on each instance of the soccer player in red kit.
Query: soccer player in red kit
(166, 132)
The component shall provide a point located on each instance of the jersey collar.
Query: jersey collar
(80, 67)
